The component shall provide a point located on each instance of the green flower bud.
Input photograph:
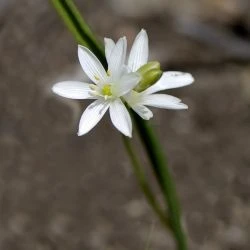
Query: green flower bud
(150, 74)
(148, 66)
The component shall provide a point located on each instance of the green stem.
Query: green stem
(79, 28)
(141, 178)
(164, 178)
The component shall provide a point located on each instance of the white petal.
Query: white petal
(72, 89)
(144, 112)
(133, 98)
(92, 115)
(170, 80)
(163, 101)
(91, 65)
(109, 46)
(117, 57)
(120, 117)
(139, 53)
(125, 84)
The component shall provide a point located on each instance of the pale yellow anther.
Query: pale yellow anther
(97, 78)
(108, 73)
(92, 86)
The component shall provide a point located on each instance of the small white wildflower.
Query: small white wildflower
(171, 79)
(122, 83)
(107, 87)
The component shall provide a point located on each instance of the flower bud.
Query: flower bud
(150, 74)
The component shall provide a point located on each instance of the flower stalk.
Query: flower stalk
(78, 27)
(141, 178)
(172, 219)
(163, 177)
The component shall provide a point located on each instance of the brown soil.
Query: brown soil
(60, 191)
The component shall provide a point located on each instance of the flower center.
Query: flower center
(106, 90)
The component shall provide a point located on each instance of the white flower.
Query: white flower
(117, 85)
(172, 79)
(107, 87)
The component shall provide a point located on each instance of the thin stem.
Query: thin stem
(81, 31)
(141, 178)
(164, 178)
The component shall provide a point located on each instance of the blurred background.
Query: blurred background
(61, 191)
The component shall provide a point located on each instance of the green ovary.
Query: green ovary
(106, 90)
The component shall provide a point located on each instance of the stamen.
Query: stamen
(97, 78)
(92, 86)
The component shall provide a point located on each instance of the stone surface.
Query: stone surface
(60, 191)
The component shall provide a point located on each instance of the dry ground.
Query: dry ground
(60, 191)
